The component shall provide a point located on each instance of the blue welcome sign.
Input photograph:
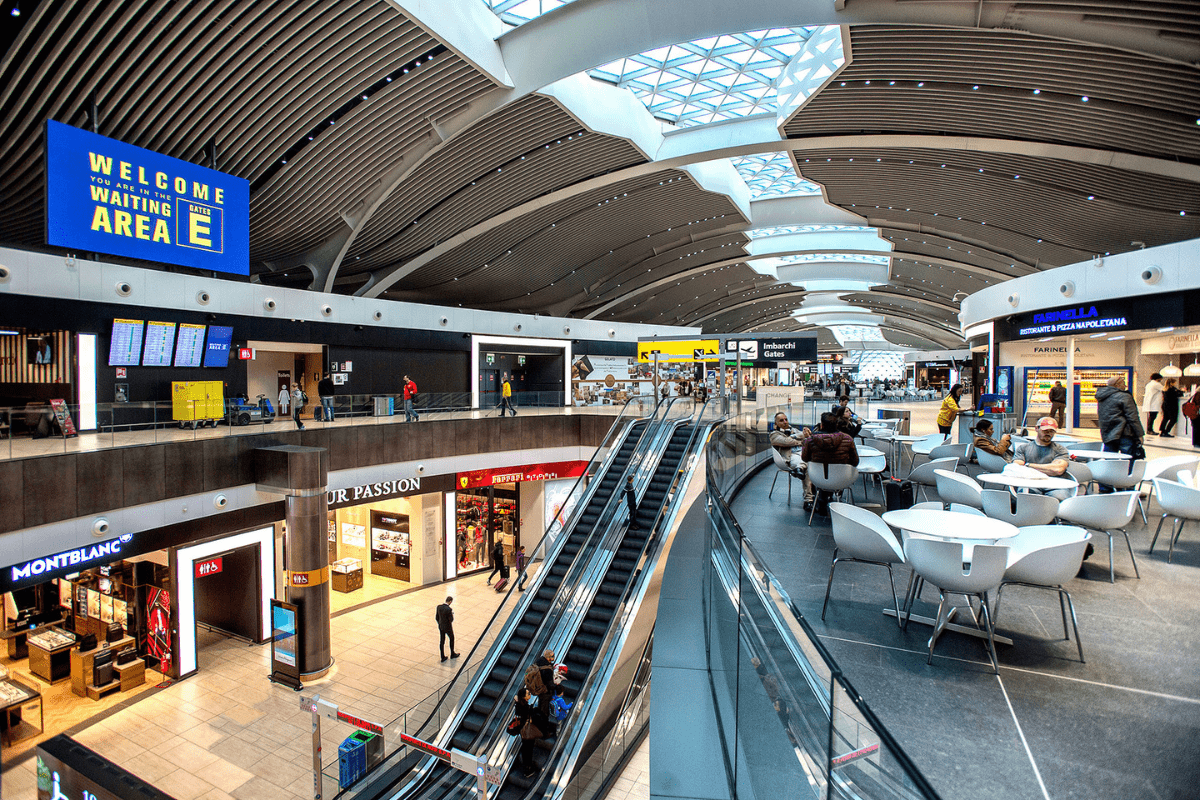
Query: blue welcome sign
(107, 196)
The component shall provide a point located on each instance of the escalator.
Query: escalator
(512, 659)
(580, 657)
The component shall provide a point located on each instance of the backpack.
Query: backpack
(559, 707)
(533, 680)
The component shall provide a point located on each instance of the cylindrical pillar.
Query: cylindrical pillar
(308, 579)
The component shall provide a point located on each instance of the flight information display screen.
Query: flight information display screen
(220, 337)
(189, 345)
(125, 348)
(160, 339)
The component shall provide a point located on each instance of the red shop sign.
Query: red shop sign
(529, 472)
(209, 566)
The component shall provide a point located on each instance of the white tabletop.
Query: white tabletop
(901, 437)
(1048, 483)
(950, 524)
(1095, 454)
(867, 452)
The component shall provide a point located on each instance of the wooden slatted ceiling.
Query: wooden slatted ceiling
(1049, 200)
(256, 77)
(526, 150)
(1135, 103)
(721, 285)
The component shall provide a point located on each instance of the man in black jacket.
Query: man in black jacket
(445, 623)
(326, 391)
(1058, 403)
(1120, 428)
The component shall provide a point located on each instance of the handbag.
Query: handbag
(1190, 409)
(514, 727)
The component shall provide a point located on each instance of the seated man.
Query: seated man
(787, 440)
(1045, 455)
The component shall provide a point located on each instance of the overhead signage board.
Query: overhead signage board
(530, 472)
(679, 350)
(386, 490)
(1140, 312)
(773, 350)
(107, 196)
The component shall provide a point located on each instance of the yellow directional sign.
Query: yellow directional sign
(679, 350)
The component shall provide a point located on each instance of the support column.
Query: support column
(1069, 411)
(300, 474)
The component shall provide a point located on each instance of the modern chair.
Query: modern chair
(941, 564)
(1104, 513)
(874, 466)
(1178, 501)
(1021, 509)
(783, 465)
(1167, 468)
(955, 488)
(1087, 446)
(925, 445)
(958, 508)
(1082, 474)
(1046, 557)
(960, 451)
(862, 537)
(830, 479)
(925, 475)
(1121, 474)
(990, 462)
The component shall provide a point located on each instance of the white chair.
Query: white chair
(862, 537)
(924, 446)
(1178, 501)
(941, 564)
(874, 466)
(990, 462)
(1120, 474)
(832, 479)
(1046, 557)
(1088, 446)
(1082, 474)
(955, 507)
(1020, 510)
(1167, 468)
(783, 465)
(925, 475)
(1104, 513)
(955, 488)
(960, 451)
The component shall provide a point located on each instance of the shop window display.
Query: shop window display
(485, 516)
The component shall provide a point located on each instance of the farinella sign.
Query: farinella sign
(1069, 320)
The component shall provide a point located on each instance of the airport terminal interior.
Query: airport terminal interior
(359, 438)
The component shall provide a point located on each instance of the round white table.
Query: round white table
(1047, 483)
(950, 524)
(1091, 455)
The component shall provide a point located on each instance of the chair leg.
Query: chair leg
(1063, 610)
(773, 485)
(816, 502)
(937, 625)
(1142, 508)
(1174, 538)
(996, 608)
(1112, 574)
(1074, 624)
(991, 632)
(1157, 531)
(895, 599)
(829, 586)
(1131, 555)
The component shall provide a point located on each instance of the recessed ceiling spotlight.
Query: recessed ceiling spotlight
(1037, 91)
(1084, 98)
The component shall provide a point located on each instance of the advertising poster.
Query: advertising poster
(158, 624)
(283, 634)
(107, 196)
(558, 504)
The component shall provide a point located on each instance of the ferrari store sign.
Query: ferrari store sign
(679, 350)
(530, 472)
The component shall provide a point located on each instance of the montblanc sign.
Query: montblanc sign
(80, 558)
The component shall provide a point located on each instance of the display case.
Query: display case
(50, 654)
(346, 575)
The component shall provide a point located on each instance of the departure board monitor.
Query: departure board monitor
(220, 337)
(189, 345)
(160, 340)
(125, 348)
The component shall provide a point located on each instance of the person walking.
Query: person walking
(519, 559)
(1120, 427)
(1152, 399)
(949, 410)
(631, 501)
(1058, 403)
(497, 560)
(325, 392)
(299, 398)
(445, 623)
(1170, 408)
(506, 397)
(410, 397)
(285, 397)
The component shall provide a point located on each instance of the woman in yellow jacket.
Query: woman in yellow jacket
(950, 409)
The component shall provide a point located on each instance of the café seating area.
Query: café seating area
(979, 597)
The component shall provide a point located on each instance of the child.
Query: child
(519, 558)
(559, 707)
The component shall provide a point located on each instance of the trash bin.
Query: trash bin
(903, 415)
(385, 406)
(352, 759)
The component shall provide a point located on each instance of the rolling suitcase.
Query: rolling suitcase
(501, 584)
(898, 495)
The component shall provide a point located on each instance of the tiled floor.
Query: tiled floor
(228, 732)
(1124, 724)
(634, 781)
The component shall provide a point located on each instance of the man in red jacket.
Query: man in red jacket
(410, 394)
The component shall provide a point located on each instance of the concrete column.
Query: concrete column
(301, 474)
(1069, 416)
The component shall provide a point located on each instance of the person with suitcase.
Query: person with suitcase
(498, 565)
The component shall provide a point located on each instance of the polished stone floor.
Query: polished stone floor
(1125, 724)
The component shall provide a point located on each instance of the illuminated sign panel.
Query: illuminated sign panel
(107, 196)
(1069, 320)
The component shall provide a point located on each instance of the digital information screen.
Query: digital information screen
(189, 345)
(125, 349)
(220, 337)
(160, 339)
(107, 196)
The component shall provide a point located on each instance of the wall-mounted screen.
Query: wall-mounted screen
(39, 350)
(125, 348)
(189, 345)
(107, 196)
(160, 338)
(220, 337)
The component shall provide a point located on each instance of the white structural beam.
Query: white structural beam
(589, 33)
(468, 27)
(821, 242)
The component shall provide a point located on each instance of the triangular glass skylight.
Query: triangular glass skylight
(516, 12)
(781, 230)
(772, 175)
